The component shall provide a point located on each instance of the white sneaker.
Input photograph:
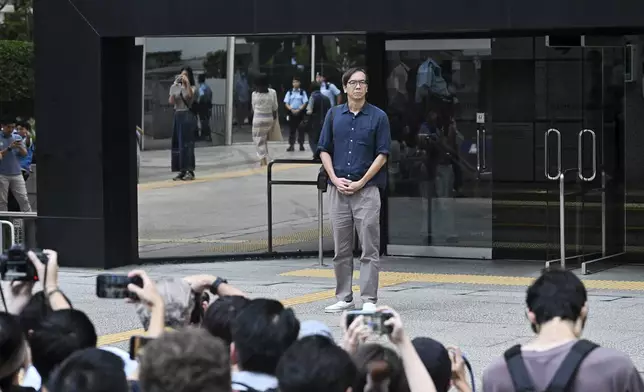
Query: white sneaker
(340, 306)
(369, 307)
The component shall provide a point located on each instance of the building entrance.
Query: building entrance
(485, 131)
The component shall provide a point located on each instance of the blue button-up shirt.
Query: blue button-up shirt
(355, 140)
(330, 91)
(296, 99)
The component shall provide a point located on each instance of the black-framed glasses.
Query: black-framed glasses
(354, 83)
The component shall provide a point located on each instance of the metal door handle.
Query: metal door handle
(547, 157)
(484, 152)
(478, 149)
(580, 137)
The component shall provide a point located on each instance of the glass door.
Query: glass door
(440, 168)
(582, 126)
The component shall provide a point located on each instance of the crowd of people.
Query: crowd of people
(204, 334)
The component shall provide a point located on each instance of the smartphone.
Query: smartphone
(374, 320)
(137, 343)
(115, 286)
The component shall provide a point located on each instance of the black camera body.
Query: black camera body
(15, 264)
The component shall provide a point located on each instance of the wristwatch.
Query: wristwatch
(214, 288)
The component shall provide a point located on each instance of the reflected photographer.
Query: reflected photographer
(182, 95)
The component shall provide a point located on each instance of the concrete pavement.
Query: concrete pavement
(477, 305)
(225, 209)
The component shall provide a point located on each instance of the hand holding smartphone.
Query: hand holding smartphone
(115, 286)
(375, 320)
(137, 343)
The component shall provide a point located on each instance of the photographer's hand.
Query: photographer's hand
(356, 334)
(20, 294)
(418, 378)
(149, 296)
(459, 376)
(48, 275)
(200, 283)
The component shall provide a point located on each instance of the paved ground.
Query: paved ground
(225, 210)
(482, 312)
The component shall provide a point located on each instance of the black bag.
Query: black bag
(250, 389)
(563, 379)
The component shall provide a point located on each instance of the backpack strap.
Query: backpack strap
(518, 372)
(565, 375)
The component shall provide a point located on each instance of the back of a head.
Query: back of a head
(380, 369)
(34, 312)
(201, 78)
(436, 360)
(221, 314)
(262, 332)
(556, 293)
(186, 360)
(60, 334)
(315, 364)
(261, 83)
(13, 349)
(89, 370)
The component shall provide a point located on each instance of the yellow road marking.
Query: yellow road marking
(471, 279)
(113, 338)
(217, 176)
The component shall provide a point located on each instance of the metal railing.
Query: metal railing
(28, 227)
(321, 189)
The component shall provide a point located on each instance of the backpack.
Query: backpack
(321, 106)
(250, 389)
(564, 378)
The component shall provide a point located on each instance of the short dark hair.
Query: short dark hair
(315, 86)
(349, 73)
(556, 293)
(33, 314)
(221, 314)
(201, 78)
(436, 360)
(60, 334)
(7, 120)
(262, 332)
(315, 364)
(381, 363)
(13, 349)
(297, 78)
(186, 360)
(90, 370)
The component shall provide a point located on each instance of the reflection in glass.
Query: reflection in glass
(438, 184)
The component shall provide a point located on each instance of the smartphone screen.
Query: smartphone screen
(374, 320)
(115, 286)
(137, 343)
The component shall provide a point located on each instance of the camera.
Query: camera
(115, 286)
(15, 264)
(374, 320)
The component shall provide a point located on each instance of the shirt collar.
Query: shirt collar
(364, 110)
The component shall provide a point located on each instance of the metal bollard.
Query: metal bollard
(322, 187)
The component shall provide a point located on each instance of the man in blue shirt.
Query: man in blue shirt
(204, 104)
(12, 148)
(23, 129)
(354, 146)
(295, 101)
(329, 90)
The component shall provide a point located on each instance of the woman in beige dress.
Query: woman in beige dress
(264, 105)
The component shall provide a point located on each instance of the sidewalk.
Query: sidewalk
(155, 164)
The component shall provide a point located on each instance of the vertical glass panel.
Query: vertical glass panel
(441, 167)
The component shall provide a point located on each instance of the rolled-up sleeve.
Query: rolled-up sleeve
(383, 136)
(326, 134)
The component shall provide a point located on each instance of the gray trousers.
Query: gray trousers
(362, 211)
(15, 184)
